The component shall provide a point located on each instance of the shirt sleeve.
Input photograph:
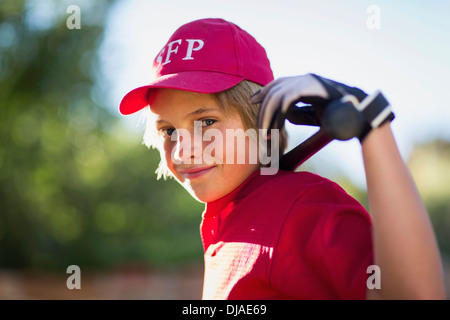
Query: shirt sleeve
(324, 247)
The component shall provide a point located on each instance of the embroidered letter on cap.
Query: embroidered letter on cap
(170, 50)
(191, 48)
(159, 58)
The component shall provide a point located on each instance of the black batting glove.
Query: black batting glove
(344, 112)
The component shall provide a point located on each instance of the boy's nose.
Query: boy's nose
(188, 149)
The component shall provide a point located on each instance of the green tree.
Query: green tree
(74, 187)
(430, 167)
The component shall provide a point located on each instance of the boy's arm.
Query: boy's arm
(405, 247)
(404, 243)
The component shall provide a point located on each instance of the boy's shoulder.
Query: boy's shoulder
(293, 186)
(298, 181)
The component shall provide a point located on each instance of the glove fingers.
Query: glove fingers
(277, 97)
(275, 104)
(259, 95)
(269, 107)
(351, 111)
(336, 90)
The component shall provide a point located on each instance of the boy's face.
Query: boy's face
(178, 115)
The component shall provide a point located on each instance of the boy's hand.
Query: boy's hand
(344, 112)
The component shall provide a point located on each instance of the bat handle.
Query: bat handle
(305, 150)
(340, 121)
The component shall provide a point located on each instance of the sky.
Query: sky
(399, 47)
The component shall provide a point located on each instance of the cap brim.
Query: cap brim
(195, 81)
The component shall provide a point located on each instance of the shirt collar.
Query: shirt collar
(213, 208)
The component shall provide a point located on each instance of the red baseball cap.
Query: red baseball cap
(206, 56)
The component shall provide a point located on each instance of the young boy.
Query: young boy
(282, 234)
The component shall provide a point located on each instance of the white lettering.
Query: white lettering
(74, 281)
(374, 20)
(159, 58)
(170, 50)
(199, 310)
(273, 159)
(191, 48)
(198, 142)
(374, 281)
(239, 147)
(182, 148)
(209, 153)
(73, 21)
(240, 309)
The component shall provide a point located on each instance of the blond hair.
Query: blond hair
(233, 100)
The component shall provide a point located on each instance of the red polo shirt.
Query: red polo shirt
(293, 235)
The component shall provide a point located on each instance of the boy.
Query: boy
(284, 235)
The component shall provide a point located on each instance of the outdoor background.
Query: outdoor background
(77, 187)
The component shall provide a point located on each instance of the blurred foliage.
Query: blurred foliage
(73, 188)
(430, 167)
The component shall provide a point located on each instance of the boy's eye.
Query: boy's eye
(166, 133)
(208, 122)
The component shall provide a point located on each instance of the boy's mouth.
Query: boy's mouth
(195, 172)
